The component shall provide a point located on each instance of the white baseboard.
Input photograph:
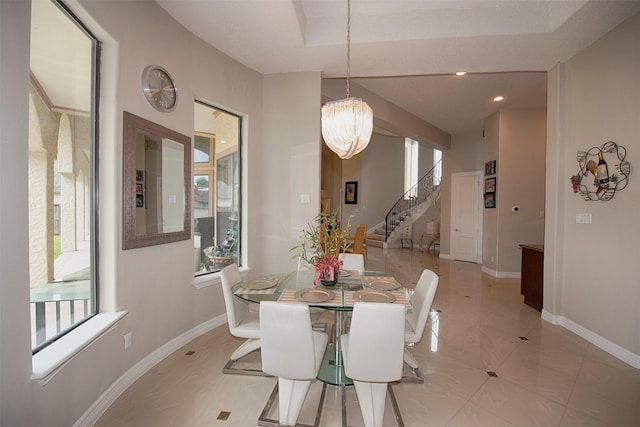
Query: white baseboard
(595, 339)
(445, 256)
(99, 407)
(501, 274)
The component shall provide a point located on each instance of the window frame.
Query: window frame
(202, 279)
(411, 156)
(96, 50)
(437, 166)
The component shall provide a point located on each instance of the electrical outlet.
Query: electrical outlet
(128, 340)
(583, 218)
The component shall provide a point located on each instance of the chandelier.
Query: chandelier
(347, 123)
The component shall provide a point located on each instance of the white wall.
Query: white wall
(591, 271)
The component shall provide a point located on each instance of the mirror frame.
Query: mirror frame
(130, 126)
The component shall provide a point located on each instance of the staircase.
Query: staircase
(411, 206)
(377, 239)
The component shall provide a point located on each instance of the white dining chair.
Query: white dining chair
(293, 352)
(352, 261)
(372, 355)
(421, 301)
(242, 322)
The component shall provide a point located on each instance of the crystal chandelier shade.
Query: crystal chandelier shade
(347, 123)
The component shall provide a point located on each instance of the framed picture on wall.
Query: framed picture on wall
(490, 185)
(490, 168)
(490, 200)
(351, 193)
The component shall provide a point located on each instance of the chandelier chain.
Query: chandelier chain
(348, 44)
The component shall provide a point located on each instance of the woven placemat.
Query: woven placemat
(398, 295)
(274, 280)
(369, 279)
(289, 295)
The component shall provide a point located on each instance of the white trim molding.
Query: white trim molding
(595, 339)
(501, 274)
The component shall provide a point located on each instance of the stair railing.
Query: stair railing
(417, 194)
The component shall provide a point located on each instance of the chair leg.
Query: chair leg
(415, 369)
(290, 399)
(410, 360)
(394, 406)
(247, 347)
(371, 397)
(392, 398)
(264, 421)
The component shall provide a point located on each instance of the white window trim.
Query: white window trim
(51, 359)
(411, 148)
(211, 279)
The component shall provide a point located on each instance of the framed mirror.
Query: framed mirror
(156, 184)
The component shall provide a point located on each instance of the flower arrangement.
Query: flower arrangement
(322, 243)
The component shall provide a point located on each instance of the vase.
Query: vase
(325, 279)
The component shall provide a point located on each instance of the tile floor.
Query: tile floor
(544, 374)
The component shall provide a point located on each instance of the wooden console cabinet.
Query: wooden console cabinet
(532, 275)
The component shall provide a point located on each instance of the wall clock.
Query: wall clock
(159, 88)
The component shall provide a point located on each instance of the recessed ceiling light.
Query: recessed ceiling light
(461, 73)
(498, 98)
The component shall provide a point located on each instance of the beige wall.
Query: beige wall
(521, 177)
(15, 336)
(382, 177)
(288, 166)
(515, 139)
(466, 155)
(592, 270)
(490, 224)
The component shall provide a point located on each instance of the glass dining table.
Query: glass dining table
(352, 286)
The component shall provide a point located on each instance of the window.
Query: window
(216, 187)
(410, 168)
(437, 167)
(62, 173)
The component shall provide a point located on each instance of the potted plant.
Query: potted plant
(322, 243)
(225, 253)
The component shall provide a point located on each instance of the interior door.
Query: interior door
(466, 216)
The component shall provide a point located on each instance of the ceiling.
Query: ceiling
(409, 49)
